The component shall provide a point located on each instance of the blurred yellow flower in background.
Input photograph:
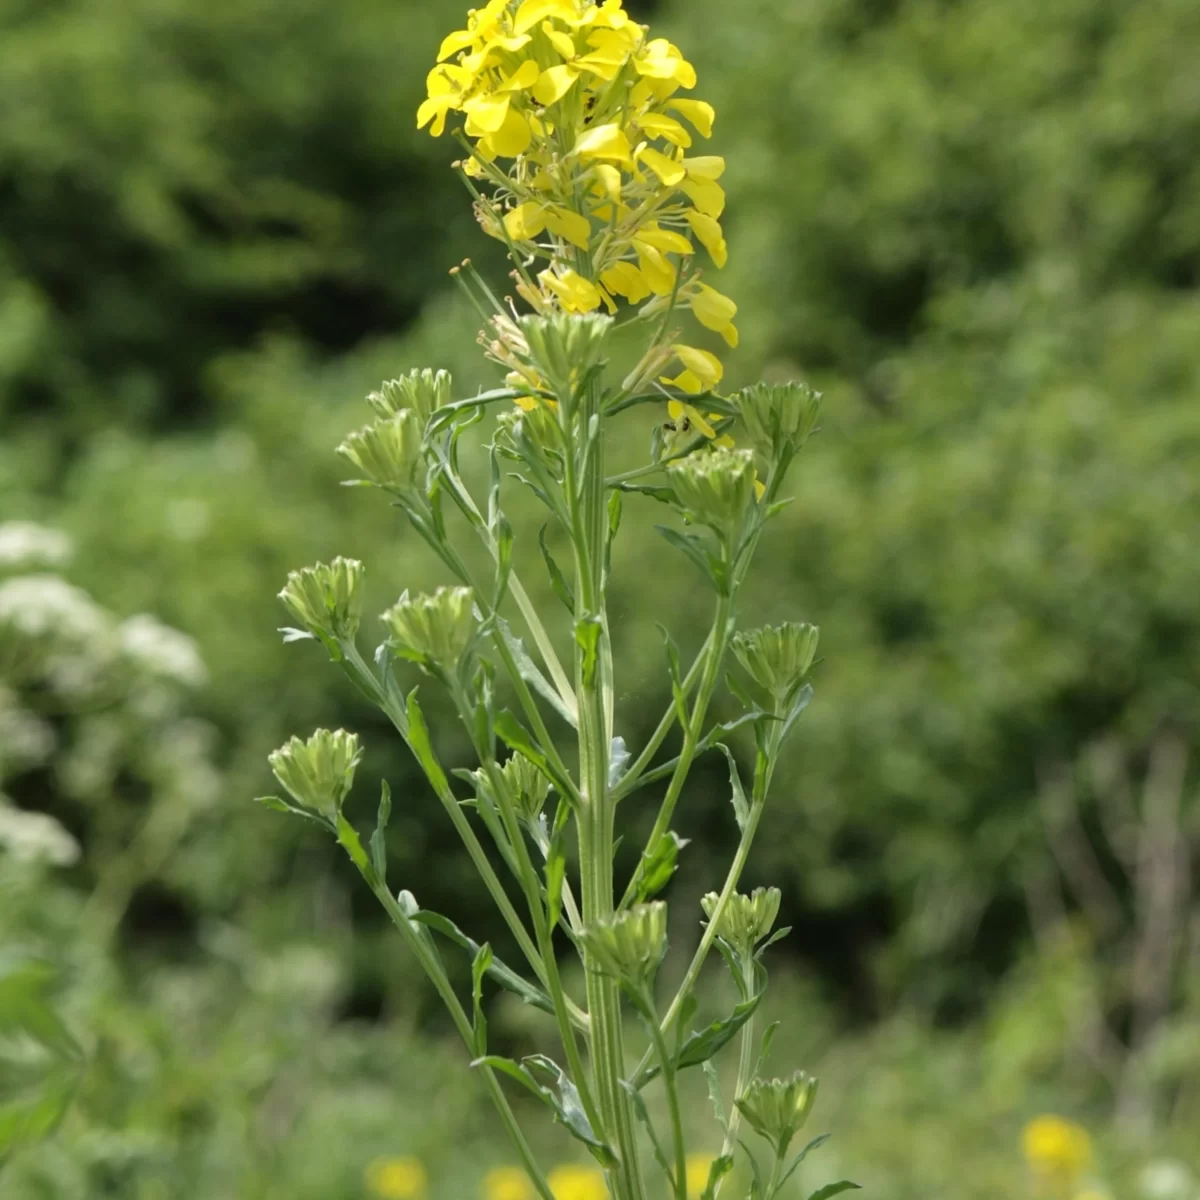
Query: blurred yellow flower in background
(1056, 1149)
(573, 1182)
(397, 1179)
(507, 1183)
(698, 1166)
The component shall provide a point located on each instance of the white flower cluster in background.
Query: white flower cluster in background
(1168, 1179)
(162, 651)
(25, 546)
(32, 837)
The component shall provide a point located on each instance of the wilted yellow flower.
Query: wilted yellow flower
(1056, 1148)
(397, 1178)
(573, 1182)
(580, 149)
(507, 1183)
(698, 1166)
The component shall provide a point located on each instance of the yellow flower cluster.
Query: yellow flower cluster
(397, 1179)
(1058, 1151)
(573, 120)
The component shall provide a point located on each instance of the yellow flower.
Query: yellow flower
(507, 1183)
(397, 1179)
(702, 370)
(698, 1166)
(570, 1182)
(1056, 1148)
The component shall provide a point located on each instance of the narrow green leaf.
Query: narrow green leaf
(422, 747)
(348, 837)
(643, 1116)
(503, 533)
(721, 1166)
(505, 976)
(480, 965)
(834, 1189)
(657, 865)
(714, 1092)
(587, 638)
(529, 672)
(517, 737)
(799, 704)
(556, 873)
(764, 1046)
(741, 806)
(379, 837)
(693, 547)
(701, 1045)
(815, 1144)
(558, 581)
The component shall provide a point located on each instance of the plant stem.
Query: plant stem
(745, 1069)
(585, 498)
(432, 967)
(668, 1073)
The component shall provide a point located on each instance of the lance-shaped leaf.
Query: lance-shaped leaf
(657, 865)
(562, 1097)
(643, 1116)
(718, 1169)
(558, 581)
(834, 1189)
(518, 738)
(505, 976)
(741, 806)
(480, 966)
(529, 672)
(379, 837)
(815, 1144)
(587, 638)
(701, 1045)
(695, 549)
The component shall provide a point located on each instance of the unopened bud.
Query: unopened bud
(436, 628)
(774, 414)
(387, 452)
(423, 391)
(319, 773)
(715, 486)
(746, 920)
(327, 598)
(778, 1108)
(527, 786)
(629, 945)
(564, 348)
(778, 657)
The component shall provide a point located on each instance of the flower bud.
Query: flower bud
(777, 1108)
(319, 773)
(565, 347)
(629, 945)
(746, 920)
(422, 391)
(716, 486)
(387, 452)
(778, 657)
(527, 786)
(435, 628)
(327, 598)
(777, 413)
(533, 428)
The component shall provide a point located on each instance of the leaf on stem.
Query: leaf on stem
(558, 581)
(720, 1167)
(517, 737)
(693, 546)
(565, 1102)
(834, 1189)
(815, 1144)
(741, 806)
(348, 838)
(701, 1045)
(528, 671)
(643, 1116)
(422, 747)
(675, 671)
(714, 1093)
(657, 865)
(587, 638)
(480, 966)
(505, 976)
(379, 837)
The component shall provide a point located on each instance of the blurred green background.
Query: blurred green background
(974, 225)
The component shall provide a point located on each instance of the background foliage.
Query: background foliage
(975, 226)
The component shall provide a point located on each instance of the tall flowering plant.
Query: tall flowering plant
(579, 146)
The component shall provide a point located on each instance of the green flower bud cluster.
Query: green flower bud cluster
(776, 415)
(746, 920)
(629, 945)
(433, 629)
(778, 657)
(520, 430)
(318, 773)
(526, 784)
(778, 1108)
(387, 452)
(564, 348)
(327, 598)
(715, 486)
(422, 391)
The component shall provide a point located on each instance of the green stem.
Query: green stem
(432, 968)
(694, 730)
(668, 1073)
(595, 816)
(745, 1070)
